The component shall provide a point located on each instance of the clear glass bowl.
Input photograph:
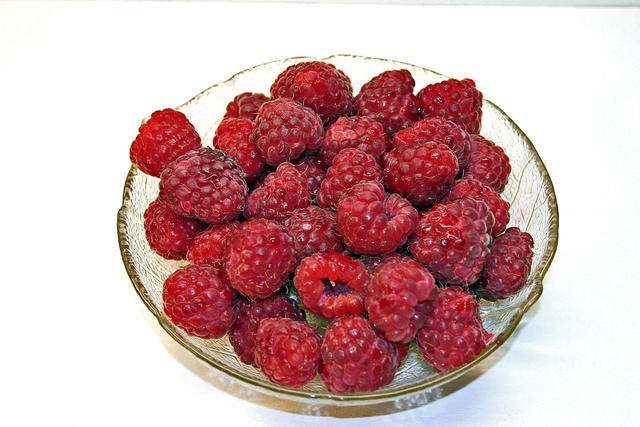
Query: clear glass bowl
(533, 209)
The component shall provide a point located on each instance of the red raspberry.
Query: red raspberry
(281, 192)
(423, 172)
(167, 135)
(242, 335)
(314, 230)
(372, 222)
(437, 130)
(362, 133)
(474, 189)
(399, 296)
(258, 257)
(354, 358)
(488, 163)
(168, 234)
(331, 284)
(232, 137)
(372, 262)
(246, 105)
(205, 184)
(508, 265)
(453, 333)
(317, 85)
(313, 168)
(284, 129)
(208, 246)
(452, 240)
(455, 100)
(198, 301)
(287, 351)
(350, 167)
(403, 350)
(388, 98)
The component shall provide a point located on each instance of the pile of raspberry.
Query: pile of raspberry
(380, 212)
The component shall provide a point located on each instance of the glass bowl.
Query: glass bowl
(530, 193)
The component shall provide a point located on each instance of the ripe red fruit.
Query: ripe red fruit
(331, 284)
(313, 168)
(474, 189)
(314, 230)
(208, 246)
(246, 105)
(198, 301)
(488, 163)
(232, 137)
(455, 100)
(362, 133)
(372, 222)
(167, 135)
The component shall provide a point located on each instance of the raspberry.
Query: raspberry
(313, 168)
(388, 98)
(474, 189)
(287, 351)
(232, 137)
(372, 262)
(488, 163)
(508, 265)
(423, 172)
(455, 100)
(167, 135)
(403, 350)
(245, 105)
(242, 335)
(452, 240)
(208, 246)
(331, 284)
(168, 234)
(399, 296)
(198, 301)
(354, 358)
(281, 192)
(258, 257)
(317, 85)
(453, 333)
(205, 184)
(314, 230)
(362, 133)
(350, 167)
(284, 129)
(372, 222)
(437, 130)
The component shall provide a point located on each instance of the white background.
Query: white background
(79, 348)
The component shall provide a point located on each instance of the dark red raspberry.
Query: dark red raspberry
(317, 85)
(313, 168)
(246, 105)
(168, 234)
(314, 230)
(423, 172)
(232, 137)
(281, 192)
(167, 135)
(455, 100)
(258, 257)
(508, 265)
(372, 222)
(205, 184)
(354, 358)
(208, 246)
(399, 296)
(474, 189)
(198, 301)
(452, 240)
(284, 129)
(488, 163)
(350, 167)
(403, 350)
(242, 335)
(437, 130)
(287, 351)
(331, 284)
(362, 133)
(453, 333)
(388, 98)
(371, 262)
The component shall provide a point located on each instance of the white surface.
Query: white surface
(75, 81)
